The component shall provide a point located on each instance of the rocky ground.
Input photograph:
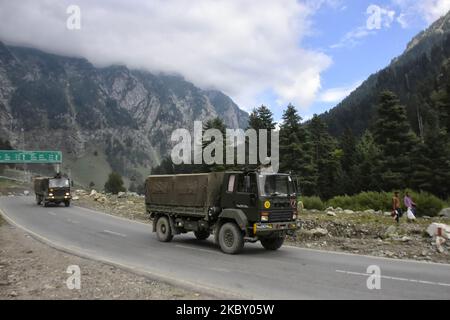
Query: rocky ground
(369, 232)
(30, 269)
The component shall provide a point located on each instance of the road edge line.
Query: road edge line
(187, 285)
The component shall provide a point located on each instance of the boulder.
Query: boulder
(331, 213)
(102, 199)
(369, 211)
(93, 193)
(26, 193)
(320, 232)
(329, 209)
(75, 198)
(386, 213)
(121, 194)
(338, 209)
(391, 231)
(439, 229)
(347, 211)
(444, 213)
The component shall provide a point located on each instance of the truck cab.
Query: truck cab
(53, 190)
(268, 201)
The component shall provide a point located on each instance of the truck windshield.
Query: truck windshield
(58, 183)
(275, 185)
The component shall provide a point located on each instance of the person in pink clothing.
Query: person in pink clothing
(409, 203)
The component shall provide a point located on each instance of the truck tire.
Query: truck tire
(202, 234)
(272, 243)
(231, 240)
(163, 231)
(67, 203)
(38, 200)
(45, 203)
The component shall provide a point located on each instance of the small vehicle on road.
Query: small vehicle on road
(235, 206)
(54, 190)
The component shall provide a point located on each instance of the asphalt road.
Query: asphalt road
(289, 273)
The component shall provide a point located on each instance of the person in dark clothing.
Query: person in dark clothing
(397, 211)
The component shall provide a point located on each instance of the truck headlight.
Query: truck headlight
(264, 217)
(67, 194)
(50, 194)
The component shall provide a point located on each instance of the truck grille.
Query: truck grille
(280, 216)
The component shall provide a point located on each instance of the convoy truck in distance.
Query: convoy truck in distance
(54, 190)
(235, 206)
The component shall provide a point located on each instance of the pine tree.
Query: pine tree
(326, 157)
(296, 151)
(432, 164)
(261, 118)
(348, 161)
(368, 154)
(218, 124)
(114, 184)
(393, 134)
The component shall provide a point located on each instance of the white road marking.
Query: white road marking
(51, 213)
(198, 249)
(395, 278)
(115, 233)
(73, 221)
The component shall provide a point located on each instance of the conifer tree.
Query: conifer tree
(396, 140)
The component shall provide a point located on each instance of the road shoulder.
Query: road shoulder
(29, 269)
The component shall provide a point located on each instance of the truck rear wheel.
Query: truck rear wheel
(67, 203)
(273, 243)
(231, 239)
(202, 234)
(163, 231)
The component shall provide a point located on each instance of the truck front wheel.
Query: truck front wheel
(273, 243)
(231, 239)
(163, 231)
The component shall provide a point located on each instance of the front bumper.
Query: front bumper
(269, 227)
(58, 198)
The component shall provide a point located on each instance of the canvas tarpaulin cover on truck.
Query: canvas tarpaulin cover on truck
(185, 190)
(40, 184)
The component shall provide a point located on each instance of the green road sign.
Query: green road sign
(17, 156)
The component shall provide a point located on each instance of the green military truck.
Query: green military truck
(54, 190)
(235, 206)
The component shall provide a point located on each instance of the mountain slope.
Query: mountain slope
(412, 77)
(122, 116)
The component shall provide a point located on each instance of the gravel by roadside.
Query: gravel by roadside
(30, 269)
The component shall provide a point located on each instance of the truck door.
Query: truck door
(241, 193)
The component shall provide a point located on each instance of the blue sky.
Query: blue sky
(311, 53)
(353, 61)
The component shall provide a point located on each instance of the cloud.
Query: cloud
(424, 10)
(336, 95)
(352, 38)
(377, 18)
(240, 47)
